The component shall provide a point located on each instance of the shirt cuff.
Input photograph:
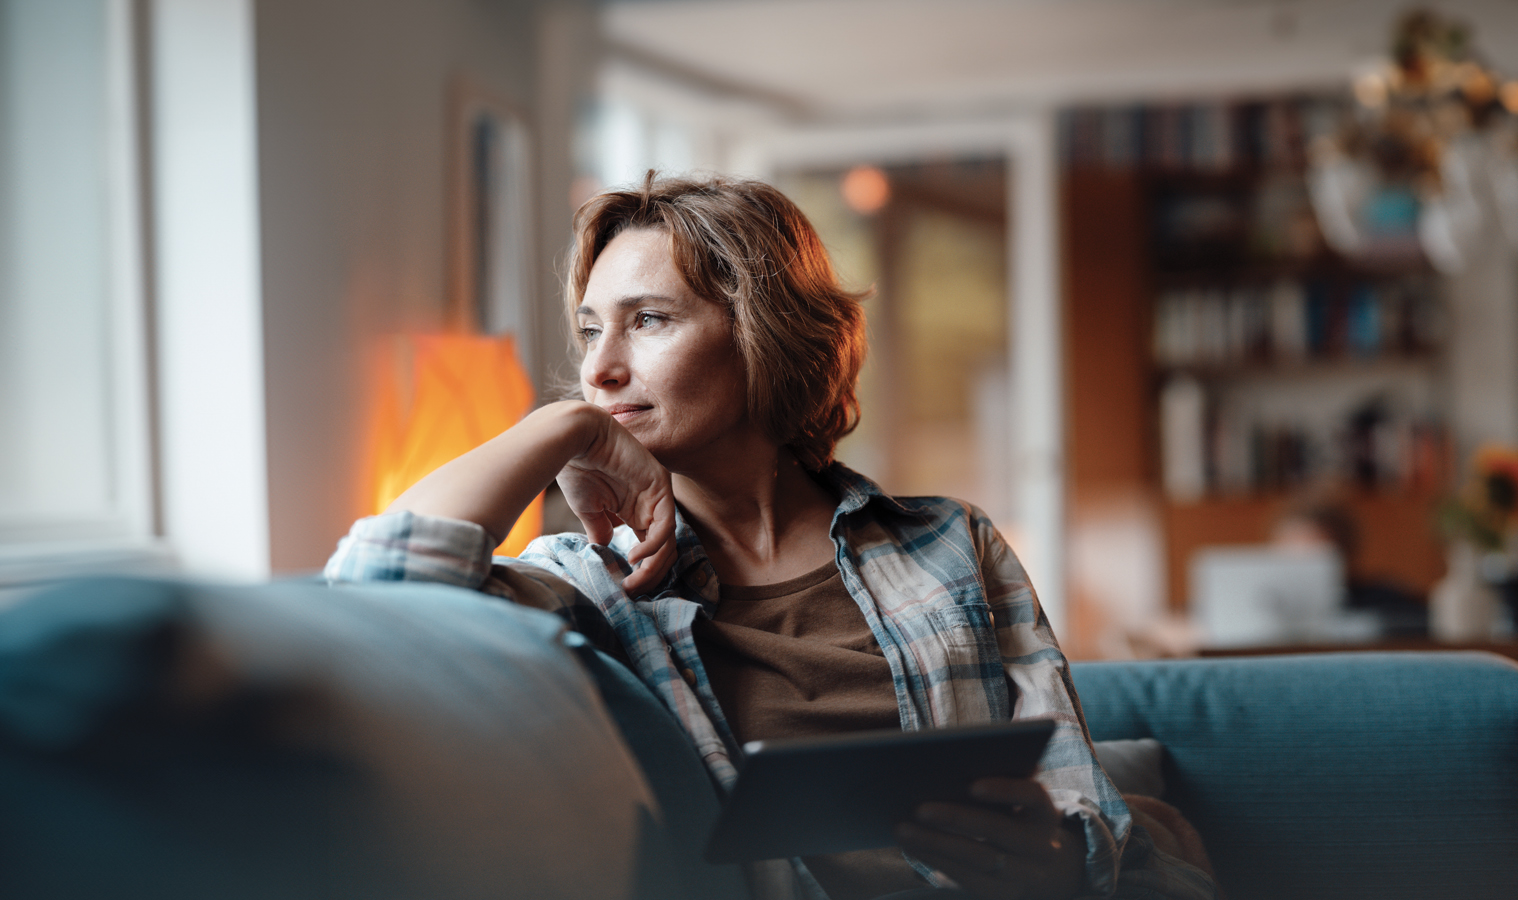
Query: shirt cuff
(1103, 848)
(406, 546)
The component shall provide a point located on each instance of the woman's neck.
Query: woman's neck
(761, 522)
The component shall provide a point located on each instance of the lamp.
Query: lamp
(1428, 158)
(464, 389)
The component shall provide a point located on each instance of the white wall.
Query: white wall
(352, 143)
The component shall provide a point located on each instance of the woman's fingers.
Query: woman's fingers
(616, 482)
(1004, 811)
(1024, 799)
(598, 526)
(985, 870)
(1007, 842)
(655, 552)
(654, 530)
(952, 853)
(979, 869)
(650, 569)
(1010, 792)
(1020, 831)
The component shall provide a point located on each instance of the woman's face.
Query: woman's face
(659, 358)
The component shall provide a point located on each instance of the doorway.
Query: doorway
(930, 238)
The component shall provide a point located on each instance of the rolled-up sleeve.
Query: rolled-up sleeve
(404, 546)
(1120, 858)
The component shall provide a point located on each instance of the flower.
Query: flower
(1485, 510)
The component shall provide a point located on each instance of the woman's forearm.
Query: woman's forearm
(492, 484)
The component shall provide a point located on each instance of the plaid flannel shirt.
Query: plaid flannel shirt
(946, 598)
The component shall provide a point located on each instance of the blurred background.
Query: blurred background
(1210, 304)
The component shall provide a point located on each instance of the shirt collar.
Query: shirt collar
(855, 492)
(692, 566)
(694, 569)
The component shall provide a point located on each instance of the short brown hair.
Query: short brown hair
(743, 245)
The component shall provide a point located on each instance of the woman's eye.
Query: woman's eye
(589, 333)
(644, 320)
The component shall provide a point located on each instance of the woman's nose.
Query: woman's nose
(606, 363)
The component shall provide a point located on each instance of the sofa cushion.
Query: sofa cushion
(1332, 775)
(166, 739)
(1135, 766)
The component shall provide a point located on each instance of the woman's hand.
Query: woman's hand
(1013, 845)
(608, 477)
(616, 481)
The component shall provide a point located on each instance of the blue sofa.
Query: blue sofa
(173, 739)
(1335, 775)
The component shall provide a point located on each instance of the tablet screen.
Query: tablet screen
(806, 796)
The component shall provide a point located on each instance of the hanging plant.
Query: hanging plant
(1435, 132)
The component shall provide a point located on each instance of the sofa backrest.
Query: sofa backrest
(1336, 775)
(181, 740)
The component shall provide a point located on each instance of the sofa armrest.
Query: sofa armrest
(1332, 775)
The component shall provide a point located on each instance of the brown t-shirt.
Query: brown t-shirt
(797, 658)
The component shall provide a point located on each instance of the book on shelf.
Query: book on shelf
(1291, 322)
(1209, 448)
(1206, 136)
(1183, 438)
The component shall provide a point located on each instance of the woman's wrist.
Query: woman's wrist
(493, 483)
(584, 424)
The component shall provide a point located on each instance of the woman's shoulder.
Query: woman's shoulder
(941, 506)
(919, 518)
(856, 491)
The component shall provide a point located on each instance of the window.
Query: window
(75, 479)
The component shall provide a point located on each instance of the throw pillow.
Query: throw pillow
(1135, 766)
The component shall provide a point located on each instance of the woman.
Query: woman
(759, 588)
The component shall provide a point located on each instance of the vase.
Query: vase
(1463, 607)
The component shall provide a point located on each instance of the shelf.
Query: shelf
(1299, 368)
(1257, 500)
(1278, 331)
(1244, 175)
(1295, 325)
(1328, 267)
(1220, 272)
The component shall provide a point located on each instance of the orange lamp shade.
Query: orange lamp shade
(463, 390)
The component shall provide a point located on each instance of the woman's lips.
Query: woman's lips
(624, 411)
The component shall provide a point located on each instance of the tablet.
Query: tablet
(806, 796)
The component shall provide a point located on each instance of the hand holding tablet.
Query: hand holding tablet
(1011, 843)
(849, 792)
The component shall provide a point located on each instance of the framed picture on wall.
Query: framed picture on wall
(491, 262)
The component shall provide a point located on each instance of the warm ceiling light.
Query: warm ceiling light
(866, 189)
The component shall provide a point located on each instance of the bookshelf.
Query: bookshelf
(1221, 360)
